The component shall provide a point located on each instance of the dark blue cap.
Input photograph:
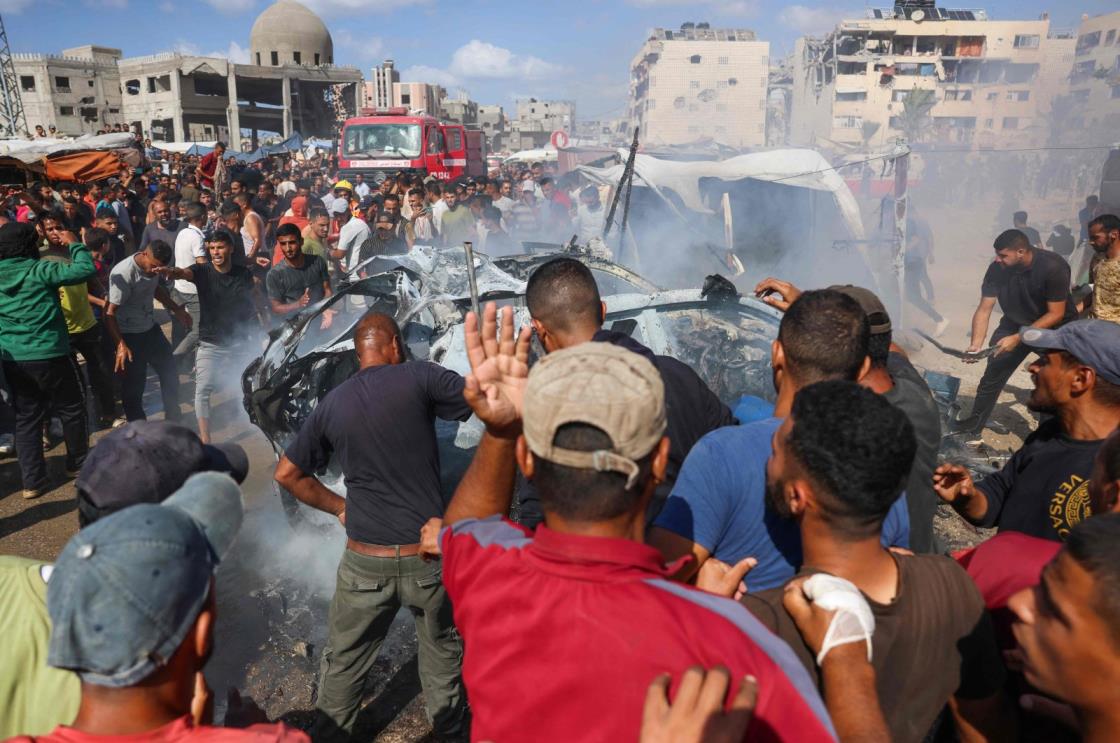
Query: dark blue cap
(146, 461)
(126, 590)
(1095, 343)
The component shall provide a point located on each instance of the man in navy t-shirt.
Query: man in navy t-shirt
(718, 506)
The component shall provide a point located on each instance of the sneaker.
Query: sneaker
(941, 327)
(32, 494)
(120, 422)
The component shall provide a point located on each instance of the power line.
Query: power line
(938, 152)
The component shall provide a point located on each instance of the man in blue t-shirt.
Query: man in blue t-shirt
(718, 507)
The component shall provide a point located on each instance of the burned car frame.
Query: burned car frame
(724, 337)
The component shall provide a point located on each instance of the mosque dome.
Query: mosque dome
(287, 32)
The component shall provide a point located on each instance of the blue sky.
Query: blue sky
(496, 51)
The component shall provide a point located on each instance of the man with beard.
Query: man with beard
(1031, 287)
(385, 240)
(718, 506)
(227, 314)
(1043, 490)
(838, 464)
(299, 279)
(1104, 236)
(163, 228)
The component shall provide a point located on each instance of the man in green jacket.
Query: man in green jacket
(35, 350)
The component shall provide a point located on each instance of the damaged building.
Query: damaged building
(976, 82)
(700, 83)
(1094, 82)
(291, 84)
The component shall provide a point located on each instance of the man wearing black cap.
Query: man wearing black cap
(35, 349)
(892, 376)
(1032, 288)
(1043, 490)
(143, 462)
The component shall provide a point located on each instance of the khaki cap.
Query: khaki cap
(601, 385)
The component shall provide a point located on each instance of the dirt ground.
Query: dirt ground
(272, 618)
(273, 601)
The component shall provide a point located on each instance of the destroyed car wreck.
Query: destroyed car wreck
(725, 338)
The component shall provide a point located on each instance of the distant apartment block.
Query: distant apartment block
(700, 83)
(990, 82)
(1094, 82)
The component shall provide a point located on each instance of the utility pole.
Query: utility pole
(901, 158)
(13, 122)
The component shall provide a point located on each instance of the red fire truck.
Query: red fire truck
(386, 141)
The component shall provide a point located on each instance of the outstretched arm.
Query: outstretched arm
(494, 389)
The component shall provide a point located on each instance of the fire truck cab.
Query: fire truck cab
(384, 142)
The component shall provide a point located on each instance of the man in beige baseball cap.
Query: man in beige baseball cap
(601, 386)
(578, 615)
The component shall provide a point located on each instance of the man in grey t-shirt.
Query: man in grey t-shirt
(130, 319)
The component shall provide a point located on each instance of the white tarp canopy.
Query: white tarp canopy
(181, 147)
(34, 150)
(533, 156)
(800, 168)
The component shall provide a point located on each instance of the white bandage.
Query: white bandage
(853, 620)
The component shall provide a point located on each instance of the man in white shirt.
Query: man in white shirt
(439, 208)
(504, 203)
(190, 248)
(590, 216)
(353, 232)
(361, 188)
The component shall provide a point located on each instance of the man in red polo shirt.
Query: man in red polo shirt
(207, 170)
(581, 615)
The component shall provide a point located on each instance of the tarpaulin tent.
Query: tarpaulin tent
(788, 213)
(184, 148)
(791, 167)
(84, 159)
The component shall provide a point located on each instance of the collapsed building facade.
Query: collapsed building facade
(980, 82)
(290, 84)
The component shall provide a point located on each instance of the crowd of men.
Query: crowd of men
(680, 570)
(230, 250)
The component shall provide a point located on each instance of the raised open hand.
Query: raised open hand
(495, 387)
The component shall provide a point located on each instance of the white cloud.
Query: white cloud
(13, 6)
(231, 7)
(481, 59)
(234, 52)
(237, 53)
(808, 20)
(433, 75)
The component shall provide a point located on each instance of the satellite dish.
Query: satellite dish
(918, 16)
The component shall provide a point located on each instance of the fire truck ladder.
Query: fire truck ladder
(13, 121)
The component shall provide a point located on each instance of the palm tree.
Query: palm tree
(916, 120)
